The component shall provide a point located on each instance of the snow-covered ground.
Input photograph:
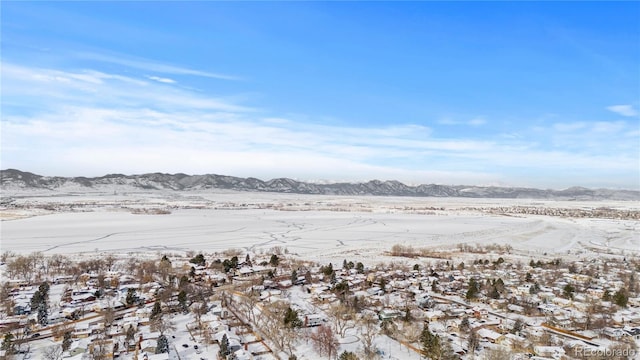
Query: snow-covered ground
(314, 227)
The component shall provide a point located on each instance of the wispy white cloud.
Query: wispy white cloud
(567, 127)
(476, 121)
(91, 123)
(94, 87)
(149, 65)
(624, 110)
(161, 79)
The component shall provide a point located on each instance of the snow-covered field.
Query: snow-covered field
(314, 226)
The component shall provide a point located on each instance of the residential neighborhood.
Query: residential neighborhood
(483, 304)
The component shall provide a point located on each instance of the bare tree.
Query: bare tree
(272, 324)
(623, 349)
(368, 329)
(99, 350)
(162, 325)
(472, 342)
(109, 261)
(280, 325)
(342, 317)
(108, 316)
(129, 336)
(6, 255)
(324, 341)
(58, 263)
(496, 354)
(411, 331)
(53, 352)
(59, 330)
(22, 266)
(247, 304)
(6, 299)
(199, 309)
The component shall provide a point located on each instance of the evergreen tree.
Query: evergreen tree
(184, 281)
(291, 319)
(36, 300)
(44, 290)
(518, 325)
(534, 289)
(274, 260)
(198, 260)
(66, 341)
(226, 264)
(224, 347)
(156, 312)
(234, 262)
(182, 300)
(131, 296)
(7, 343)
(129, 335)
(162, 345)
(473, 290)
(383, 284)
(347, 355)
(327, 270)
(494, 293)
(430, 342)
(464, 324)
(342, 289)
(43, 314)
(360, 268)
(568, 291)
(621, 298)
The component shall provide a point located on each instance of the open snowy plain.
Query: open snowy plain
(311, 226)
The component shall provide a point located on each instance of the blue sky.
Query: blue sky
(543, 94)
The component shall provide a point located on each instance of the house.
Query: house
(244, 271)
(434, 315)
(148, 345)
(313, 320)
(424, 300)
(613, 333)
(491, 336)
(234, 340)
(388, 314)
(106, 345)
(480, 312)
(633, 332)
(554, 352)
(81, 330)
(515, 308)
(22, 309)
(217, 326)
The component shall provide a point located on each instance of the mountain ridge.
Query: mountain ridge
(17, 179)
